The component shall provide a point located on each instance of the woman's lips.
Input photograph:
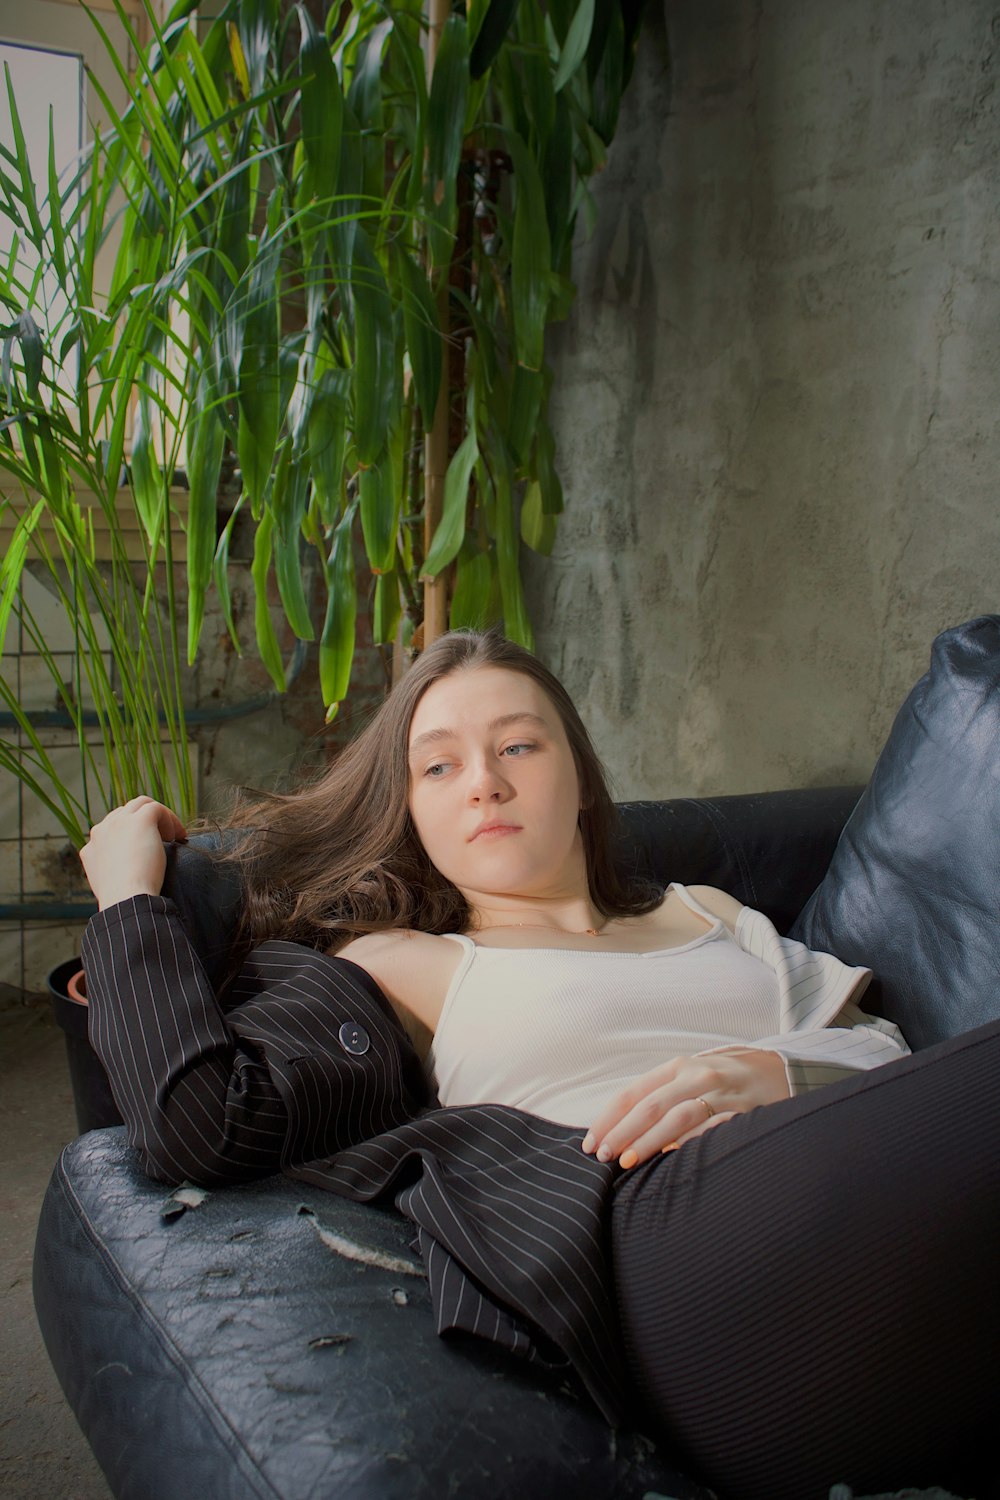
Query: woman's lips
(495, 831)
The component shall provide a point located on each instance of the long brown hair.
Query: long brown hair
(340, 856)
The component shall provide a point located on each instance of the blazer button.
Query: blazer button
(354, 1038)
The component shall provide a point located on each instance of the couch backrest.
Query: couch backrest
(769, 850)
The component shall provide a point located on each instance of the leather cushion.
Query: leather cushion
(914, 885)
(768, 849)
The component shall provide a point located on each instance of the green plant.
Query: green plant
(67, 395)
(333, 270)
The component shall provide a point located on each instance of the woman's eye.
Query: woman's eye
(515, 750)
(438, 766)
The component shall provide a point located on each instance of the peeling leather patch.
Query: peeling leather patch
(182, 1198)
(364, 1254)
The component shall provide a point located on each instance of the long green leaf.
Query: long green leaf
(55, 207)
(387, 609)
(538, 530)
(411, 52)
(365, 99)
(26, 187)
(536, 73)
(475, 601)
(515, 612)
(379, 493)
(30, 338)
(423, 334)
(608, 80)
(557, 181)
(336, 647)
(288, 503)
(575, 46)
(53, 473)
(530, 258)
(491, 34)
(376, 375)
(445, 134)
(146, 475)
(365, 89)
(232, 237)
(220, 573)
(260, 384)
(267, 640)
(256, 23)
(451, 528)
(327, 441)
(291, 585)
(322, 108)
(12, 563)
(545, 469)
(206, 441)
(525, 403)
(121, 387)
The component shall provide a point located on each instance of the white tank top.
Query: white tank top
(559, 1032)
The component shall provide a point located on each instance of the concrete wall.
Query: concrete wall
(776, 398)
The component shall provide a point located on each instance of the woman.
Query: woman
(458, 853)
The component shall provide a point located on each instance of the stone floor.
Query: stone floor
(42, 1451)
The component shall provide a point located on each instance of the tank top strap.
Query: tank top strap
(460, 937)
(694, 905)
(469, 951)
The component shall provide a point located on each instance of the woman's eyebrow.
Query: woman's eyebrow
(435, 736)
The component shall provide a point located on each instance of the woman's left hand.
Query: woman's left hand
(683, 1098)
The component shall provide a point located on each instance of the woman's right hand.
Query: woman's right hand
(125, 855)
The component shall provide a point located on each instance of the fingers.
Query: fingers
(142, 810)
(647, 1146)
(680, 1099)
(644, 1133)
(655, 1109)
(630, 1104)
(167, 823)
(124, 855)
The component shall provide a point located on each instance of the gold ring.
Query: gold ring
(700, 1100)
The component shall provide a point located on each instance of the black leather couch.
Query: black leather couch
(271, 1340)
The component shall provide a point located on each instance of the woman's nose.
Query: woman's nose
(488, 785)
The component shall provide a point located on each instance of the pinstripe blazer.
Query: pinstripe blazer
(310, 1070)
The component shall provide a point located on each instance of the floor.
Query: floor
(42, 1451)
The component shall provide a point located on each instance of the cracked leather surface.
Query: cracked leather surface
(227, 1351)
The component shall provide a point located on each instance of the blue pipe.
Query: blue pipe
(47, 911)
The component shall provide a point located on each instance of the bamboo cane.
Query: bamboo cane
(436, 439)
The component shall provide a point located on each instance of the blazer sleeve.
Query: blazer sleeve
(311, 1058)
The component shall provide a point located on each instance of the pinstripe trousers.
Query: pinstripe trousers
(809, 1294)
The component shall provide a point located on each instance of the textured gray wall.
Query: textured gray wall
(776, 398)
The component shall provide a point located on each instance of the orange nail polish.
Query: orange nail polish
(628, 1159)
(672, 1147)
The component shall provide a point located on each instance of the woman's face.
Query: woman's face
(494, 790)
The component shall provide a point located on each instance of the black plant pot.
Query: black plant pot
(95, 1107)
